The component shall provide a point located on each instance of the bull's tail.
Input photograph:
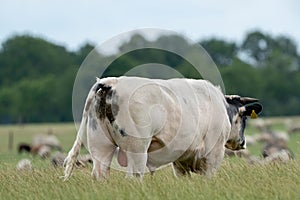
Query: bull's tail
(70, 160)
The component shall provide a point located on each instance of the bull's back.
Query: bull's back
(177, 112)
(155, 102)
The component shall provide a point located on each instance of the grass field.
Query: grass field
(236, 179)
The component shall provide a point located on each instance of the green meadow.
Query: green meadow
(236, 178)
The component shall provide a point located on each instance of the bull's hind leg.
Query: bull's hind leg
(136, 164)
(102, 158)
(137, 157)
(101, 149)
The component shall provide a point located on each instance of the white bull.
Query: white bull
(155, 122)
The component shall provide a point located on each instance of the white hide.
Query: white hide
(187, 116)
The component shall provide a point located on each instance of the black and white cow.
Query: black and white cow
(154, 122)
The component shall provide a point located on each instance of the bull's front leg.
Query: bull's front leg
(211, 162)
(180, 169)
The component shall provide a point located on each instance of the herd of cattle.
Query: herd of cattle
(47, 147)
(275, 148)
(275, 144)
(156, 122)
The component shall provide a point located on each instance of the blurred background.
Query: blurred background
(43, 43)
(255, 45)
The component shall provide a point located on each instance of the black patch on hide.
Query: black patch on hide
(108, 106)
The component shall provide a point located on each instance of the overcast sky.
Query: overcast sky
(74, 22)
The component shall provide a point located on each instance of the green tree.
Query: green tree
(222, 52)
(258, 46)
(27, 56)
(37, 76)
(33, 72)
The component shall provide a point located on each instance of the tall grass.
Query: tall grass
(236, 179)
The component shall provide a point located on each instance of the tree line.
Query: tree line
(37, 76)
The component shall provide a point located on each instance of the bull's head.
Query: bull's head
(238, 110)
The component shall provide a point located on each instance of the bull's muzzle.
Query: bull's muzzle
(236, 145)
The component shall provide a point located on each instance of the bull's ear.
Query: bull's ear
(232, 99)
(251, 109)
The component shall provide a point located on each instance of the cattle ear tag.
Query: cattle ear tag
(253, 115)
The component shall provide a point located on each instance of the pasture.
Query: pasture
(236, 178)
